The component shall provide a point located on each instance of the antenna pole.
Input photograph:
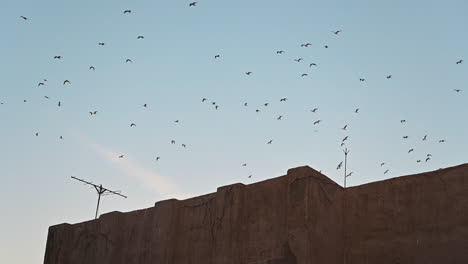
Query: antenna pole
(100, 191)
(345, 151)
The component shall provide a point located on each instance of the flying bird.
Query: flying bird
(59, 104)
(128, 60)
(66, 81)
(245, 104)
(37, 134)
(381, 164)
(39, 84)
(385, 172)
(442, 141)
(121, 156)
(216, 107)
(92, 68)
(314, 110)
(317, 122)
(389, 76)
(279, 117)
(244, 165)
(250, 176)
(405, 137)
(424, 138)
(24, 18)
(306, 45)
(61, 137)
(418, 161)
(46, 97)
(344, 139)
(339, 165)
(356, 111)
(157, 158)
(312, 64)
(279, 51)
(283, 99)
(132, 124)
(203, 100)
(140, 37)
(183, 145)
(248, 73)
(349, 174)
(402, 121)
(427, 159)
(298, 60)
(172, 141)
(256, 111)
(102, 44)
(336, 32)
(193, 4)
(127, 11)
(217, 56)
(269, 142)
(411, 150)
(457, 90)
(304, 74)
(459, 62)
(93, 112)
(362, 79)
(266, 104)
(326, 46)
(58, 57)
(344, 128)
(145, 105)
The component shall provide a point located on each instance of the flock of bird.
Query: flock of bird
(342, 142)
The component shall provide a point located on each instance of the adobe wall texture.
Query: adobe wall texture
(293, 219)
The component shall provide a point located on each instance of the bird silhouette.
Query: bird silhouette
(93, 112)
(403, 121)
(459, 62)
(356, 111)
(298, 60)
(256, 111)
(132, 124)
(248, 73)
(37, 134)
(349, 174)
(92, 68)
(424, 138)
(193, 4)
(344, 139)
(46, 97)
(184, 146)
(339, 165)
(245, 104)
(344, 128)
(157, 158)
(405, 137)
(269, 142)
(66, 81)
(385, 172)
(279, 51)
(58, 57)
(317, 122)
(59, 104)
(216, 107)
(427, 159)
(442, 141)
(244, 165)
(140, 37)
(336, 32)
(217, 56)
(127, 11)
(39, 84)
(176, 121)
(145, 105)
(279, 117)
(102, 44)
(172, 141)
(121, 156)
(312, 64)
(314, 110)
(266, 104)
(61, 137)
(389, 76)
(429, 155)
(457, 90)
(24, 18)
(128, 60)
(250, 176)
(283, 99)
(306, 45)
(362, 79)
(304, 74)
(326, 46)
(381, 164)
(411, 150)
(418, 161)
(203, 100)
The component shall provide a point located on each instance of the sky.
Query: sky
(173, 68)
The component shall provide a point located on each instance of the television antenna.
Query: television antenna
(100, 191)
(345, 151)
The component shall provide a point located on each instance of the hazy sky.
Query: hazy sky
(417, 42)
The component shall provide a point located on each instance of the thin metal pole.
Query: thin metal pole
(346, 151)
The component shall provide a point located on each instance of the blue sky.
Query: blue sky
(417, 42)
